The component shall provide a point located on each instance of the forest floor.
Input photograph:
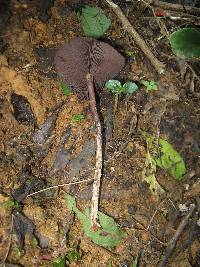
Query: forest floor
(37, 230)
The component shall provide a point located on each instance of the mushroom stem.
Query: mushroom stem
(98, 168)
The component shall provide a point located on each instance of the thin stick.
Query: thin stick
(9, 243)
(154, 214)
(98, 168)
(176, 7)
(148, 231)
(57, 186)
(173, 241)
(159, 66)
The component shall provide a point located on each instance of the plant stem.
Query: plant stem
(116, 103)
(98, 168)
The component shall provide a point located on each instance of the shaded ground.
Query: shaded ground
(62, 151)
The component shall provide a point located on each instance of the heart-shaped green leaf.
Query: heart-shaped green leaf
(129, 87)
(185, 43)
(94, 22)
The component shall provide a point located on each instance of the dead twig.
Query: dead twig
(176, 7)
(98, 168)
(57, 186)
(172, 243)
(2, 264)
(143, 228)
(159, 66)
(155, 212)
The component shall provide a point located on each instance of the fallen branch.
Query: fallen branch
(57, 186)
(176, 7)
(173, 241)
(159, 66)
(98, 168)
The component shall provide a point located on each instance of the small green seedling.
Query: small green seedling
(150, 85)
(117, 88)
(66, 90)
(78, 118)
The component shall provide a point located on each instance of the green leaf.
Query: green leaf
(110, 235)
(78, 117)
(110, 263)
(71, 202)
(59, 262)
(185, 43)
(73, 256)
(94, 22)
(114, 86)
(11, 204)
(65, 89)
(154, 186)
(150, 85)
(136, 262)
(130, 87)
(170, 160)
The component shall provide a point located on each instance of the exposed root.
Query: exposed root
(57, 186)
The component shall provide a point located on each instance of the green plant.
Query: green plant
(170, 160)
(34, 242)
(167, 157)
(136, 262)
(117, 88)
(78, 117)
(150, 85)
(74, 255)
(65, 89)
(60, 262)
(149, 175)
(185, 43)
(94, 21)
(12, 204)
(109, 235)
(161, 154)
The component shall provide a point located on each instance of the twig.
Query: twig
(9, 243)
(159, 66)
(173, 241)
(148, 231)
(98, 168)
(193, 234)
(155, 212)
(176, 7)
(57, 186)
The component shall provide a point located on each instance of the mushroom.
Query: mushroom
(86, 55)
(81, 64)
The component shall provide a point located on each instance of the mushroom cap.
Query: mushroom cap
(84, 55)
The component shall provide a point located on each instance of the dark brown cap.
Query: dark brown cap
(86, 55)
